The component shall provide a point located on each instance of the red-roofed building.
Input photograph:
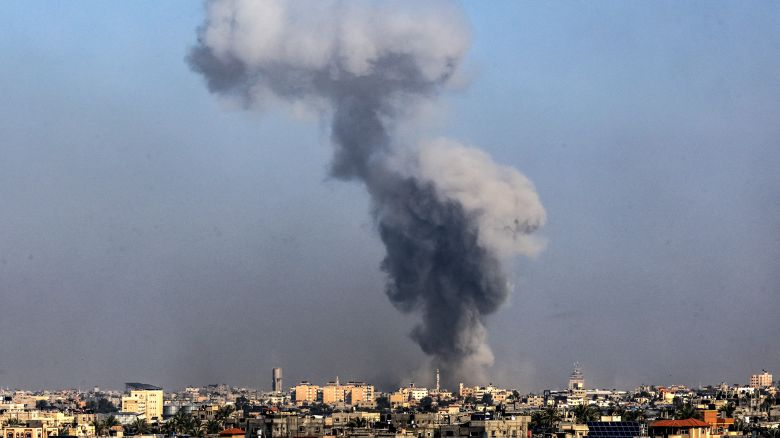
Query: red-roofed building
(232, 433)
(688, 428)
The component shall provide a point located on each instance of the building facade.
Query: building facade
(144, 399)
(763, 380)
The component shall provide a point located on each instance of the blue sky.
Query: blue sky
(141, 217)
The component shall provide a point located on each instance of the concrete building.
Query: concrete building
(28, 432)
(334, 393)
(512, 427)
(306, 393)
(763, 380)
(577, 379)
(276, 385)
(144, 399)
(360, 394)
(688, 428)
(286, 426)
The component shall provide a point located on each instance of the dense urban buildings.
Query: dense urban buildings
(357, 409)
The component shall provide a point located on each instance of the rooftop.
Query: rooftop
(142, 386)
(688, 422)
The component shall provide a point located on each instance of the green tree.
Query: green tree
(140, 427)
(382, 403)
(728, 410)
(585, 413)
(100, 427)
(101, 406)
(487, 399)
(213, 426)
(546, 420)
(686, 411)
(635, 415)
(426, 404)
(42, 405)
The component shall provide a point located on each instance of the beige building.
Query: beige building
(306, 393)
(28, 432)
(360, 394)
(144, 399)
(334, 393)
(353, 393)
(513, 427)
(763, 380)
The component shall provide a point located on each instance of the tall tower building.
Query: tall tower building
(437, 380)
(576, 380)
(276, 385)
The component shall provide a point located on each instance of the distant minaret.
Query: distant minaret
(437, 380)
(576, 380)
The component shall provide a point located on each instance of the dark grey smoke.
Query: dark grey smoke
(442, 260)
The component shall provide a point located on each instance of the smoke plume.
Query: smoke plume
(447, 214)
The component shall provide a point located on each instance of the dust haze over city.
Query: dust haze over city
(198, 193)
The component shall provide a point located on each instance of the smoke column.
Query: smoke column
(447, 214)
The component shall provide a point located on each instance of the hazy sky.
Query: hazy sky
(149, 233)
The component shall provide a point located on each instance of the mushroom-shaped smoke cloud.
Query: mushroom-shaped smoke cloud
(448, 215)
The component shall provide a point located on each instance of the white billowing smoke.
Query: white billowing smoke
(333, 38)
(503, 200)
(448, 215)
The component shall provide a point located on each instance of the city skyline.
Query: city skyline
(152, 232)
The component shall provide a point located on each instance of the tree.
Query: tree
(101, 406)
(728, 410)
(213, 426)
(686, 411)
(382, 403)
(635, 415)
(585, 413)
(546, 420)
(487, 399)
(140, 427)
(42, 405)
(426, 404)
(223, 413)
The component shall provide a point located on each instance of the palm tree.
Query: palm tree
(140, 426)
(634, 415)
(213, 426)
(224, 412)
(546, 420)
(728, 410)
(686, 411)
(169, 427)
(13, 422)
(100, 427)
(585, 413)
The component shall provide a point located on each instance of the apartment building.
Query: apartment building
(144, 399)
